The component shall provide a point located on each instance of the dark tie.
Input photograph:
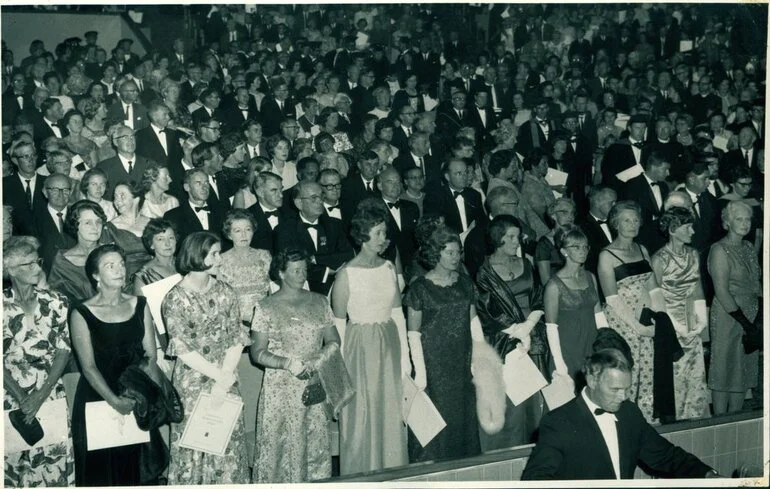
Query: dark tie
(61, 221)
(163, 131)
(601, 221)
(461, 114)
(637, 145)
(746, 157)
(28, 191)
(581, 121)
(271, 213)
(127, 114)
(205, 208)
(600, 411)
(368, 186)
(308, 225)
(421, 162)
(696, 208)
(130, 167)
(456, 194)
(393, 205)
(330, 208)
(543, 122)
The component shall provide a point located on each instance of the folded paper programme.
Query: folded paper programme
(521, 376)
(421, 415)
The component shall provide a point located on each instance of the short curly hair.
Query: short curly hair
(623, 205)
(153, 228)
(497, 229)
(369, 213)
(72, 222)
(18, 247)
(88, 175)
(150, 175)
(281, 261)
(237, 215)
(675, 217)
(430, 253)
(426, 224)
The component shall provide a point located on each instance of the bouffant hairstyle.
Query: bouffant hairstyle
(497, 229)
(618, 208)
(72, 222)
(18, 247)
(323, 117)
(533, 159)
(153, 228)
(281, 261)
(729, 211)
(426, 224)
(568, 236)
(675, 217)
(92, 262)
(150, 175)
(499, 161)
(430, 252)
(237, 215)
(369, 213)
(192, 253)
(273, 142)
(87, 176)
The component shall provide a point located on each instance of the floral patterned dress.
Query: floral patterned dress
(292, 439)
(209, 323)
(29, 347)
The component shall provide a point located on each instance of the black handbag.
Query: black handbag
(30, 432)
(313, 394)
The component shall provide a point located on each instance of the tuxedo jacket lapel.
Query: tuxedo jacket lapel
(586, 418)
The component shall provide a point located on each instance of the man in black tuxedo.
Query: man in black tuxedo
(127, 108)
(308, 168)
(331, 183)
(268, 211)
(23, 191)
(49, 219)
(578, 161)
(673, 151)
(601, 435)
(481, 116)
(193, 213)
(48, 125)
(361, 95)
(649, 190)
(747, 154)
(358, 186)
(705, 101)
(402, 133)
(459, 204)
(321, 236)
(454, 49)
(536, 132)
(241, 110)
(601, 198)
(417, 156)
(586, 122)
(401, 220)
(206, 157)
(276, 107)
(158, 142)
(15, 99)
(450, 118)
(623, 160)
(211, 99)
(194, 75)
(427, 62)
(126, 166)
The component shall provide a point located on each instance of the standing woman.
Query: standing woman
(572, 308)
(36, 349)
(372, 435)
(548, 257)
(629, 286)
(442, 325)
(678, 273)
(536, 191)
(110, 332)
(734, 268)
(206, 335)
(289, 329)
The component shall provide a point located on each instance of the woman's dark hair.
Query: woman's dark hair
(383, 124)
(193, 251)
(320, 138)
(608, 338)
(430, 253)
(153, 228)
(426, 224)
(732, 173)
(674, 218)
(324, 116)
(369, 213)
(202, 153)
(72, 222)
(500, 160)
(282, 259)
(273, 141)
(88, 175)
(135, 191)
(533, 159)
(92, 262)
(237, 215)
(497, 229)
(65, 120)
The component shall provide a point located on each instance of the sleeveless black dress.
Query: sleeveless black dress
(116, 346)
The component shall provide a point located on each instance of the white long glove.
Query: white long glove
(340, 325)
(601, 320)
(701, 317)
(552, 333)
(626, 315)
(521, 331)
(397, 314)
(415, 347)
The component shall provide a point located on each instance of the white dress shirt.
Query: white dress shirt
(32, 184)
(128, 110)
(161, 137)
(55, 217)
(56, 130)
(124, 161)
(333, 212)
(655, 191)
(203, 216)
(272, 220)
(605, 228)
(608, 426)
(395, 212)
(460, 203)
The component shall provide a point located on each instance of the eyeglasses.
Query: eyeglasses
(126, 136)
(28, 265)
(509, 203)
(27, 157)
(744, 184)
(59, 190)
(312, 198)
(332, 186)
(583, 247)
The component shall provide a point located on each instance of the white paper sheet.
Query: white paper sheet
(556, 177)
(521, 376)
(720, 142)
(421, 415)
(50, 416)
(630, 173)
(559, 392)
(685, 46)
(107, 428)
(210, 425)
(155, 292)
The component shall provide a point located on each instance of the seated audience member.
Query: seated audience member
(623, 160)
(207, 157)
(414, 184)
(127, 228)
(126, 166)
(158, 141)
(194, 213)
(358, 186)
(459, 204)
(401, 219)
(570, 441)
(24, 190)
(244, 197)
(49, 220)
(269, 210)
(155, 185)
(93, 186)
(330, 181)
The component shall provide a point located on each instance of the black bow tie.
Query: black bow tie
(456, 194)
(308, 225)
(655, 184)
(271, 213)
(392, 205)
(637, 145)
(601, 221)
(542, 122)
(573, 139)
(205, 208)
(600, 411)
(330, 208)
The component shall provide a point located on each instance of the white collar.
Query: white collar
(592, 406)
(302, 218)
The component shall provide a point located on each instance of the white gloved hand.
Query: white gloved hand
(415, 347)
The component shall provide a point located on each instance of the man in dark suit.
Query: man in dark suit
(126, 166)
(127, 109)
(673, 151)
(451, 117)
(15, 99)
(427, 62)
(536, 132)
(401, 219)
(623, 160)
(186, 89)
(211, 99)
(268, 211)
(48, 125)
(241, 110)
(23, 191)
(360, 185)
(481, 116)
(402, 133)
(193, 213)
(235, 33)
(361, 95)
(454, 49)
(747, 155)
(601, 198)
(276, 107)
(49, 219)
(206, 157)
(417, 156)
(586, 122)
(649, 190)
(158, 142)
(459, 204)
(602, 435)
(321, 236)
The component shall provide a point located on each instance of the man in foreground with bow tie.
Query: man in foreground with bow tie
(194, 213)
(601, 435)
(536, 132)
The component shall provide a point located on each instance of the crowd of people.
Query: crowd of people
(370, 179)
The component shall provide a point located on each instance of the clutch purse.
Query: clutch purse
(30, 432)
(313, 394)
